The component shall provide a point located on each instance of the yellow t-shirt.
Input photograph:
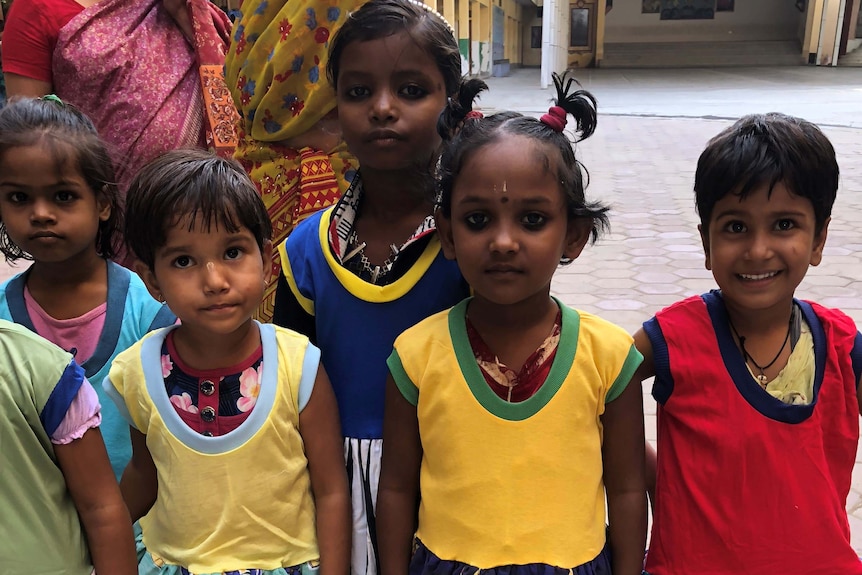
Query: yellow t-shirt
(512, 483)
(237, 501)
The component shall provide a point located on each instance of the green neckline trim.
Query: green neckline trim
(483, 393)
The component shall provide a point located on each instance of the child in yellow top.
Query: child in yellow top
(513, 480)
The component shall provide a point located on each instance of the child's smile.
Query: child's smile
(759, 248)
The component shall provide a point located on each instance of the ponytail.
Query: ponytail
(580, 104)
(459, 107)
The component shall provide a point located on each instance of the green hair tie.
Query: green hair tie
(53, 98)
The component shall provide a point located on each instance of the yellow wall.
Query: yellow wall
(601, 6)
(812, 27)
(473, 21)
(584, 57)
(831, 15)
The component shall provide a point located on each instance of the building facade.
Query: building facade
(495, 35)
(579, 33)
(490, 32)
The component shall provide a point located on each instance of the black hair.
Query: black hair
(193, 183)
(764, 150)
(381, 18)
(463, 136)
(71, 138)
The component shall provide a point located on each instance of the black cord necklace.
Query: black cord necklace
(760, 377)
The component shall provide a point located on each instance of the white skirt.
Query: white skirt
(362, 457)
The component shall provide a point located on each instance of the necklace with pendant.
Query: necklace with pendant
(760, 377)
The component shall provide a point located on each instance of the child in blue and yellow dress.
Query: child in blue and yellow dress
(236, 460)
(358, 274)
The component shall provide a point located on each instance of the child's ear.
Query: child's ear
(704, 239)
(444, 230)
(819, 243)
(104, 204)
(577, 233)
(266, 255)
(149, 279)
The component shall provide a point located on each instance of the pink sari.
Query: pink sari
(148, 90)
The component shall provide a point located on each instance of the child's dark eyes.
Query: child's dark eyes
(357, 92)
(413, 91)
(64, 197)
(785, 225)
(533, 220)
(233, 253)
(17, 197)
(734, 227)
(182, 262)
(476, 221)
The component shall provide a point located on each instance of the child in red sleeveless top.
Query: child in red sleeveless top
(758, 415)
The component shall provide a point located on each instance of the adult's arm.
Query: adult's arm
(30, 36)
(18, 86)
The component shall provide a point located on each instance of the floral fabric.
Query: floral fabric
(276, 72)
(230, 393)
(153, 102)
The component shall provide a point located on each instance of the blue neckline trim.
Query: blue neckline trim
(118, 289)
(755, 395)
(151, 351)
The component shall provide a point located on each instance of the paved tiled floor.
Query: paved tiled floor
(644, 167)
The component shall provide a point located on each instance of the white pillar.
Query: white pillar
(555, 39)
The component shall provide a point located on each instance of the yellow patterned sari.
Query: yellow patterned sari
(276, 71)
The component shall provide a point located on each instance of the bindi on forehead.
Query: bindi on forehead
(502, 192)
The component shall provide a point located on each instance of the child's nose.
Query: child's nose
(760, 246)
(42, 212)
(383, 106)
(504, 240)
(215, 278)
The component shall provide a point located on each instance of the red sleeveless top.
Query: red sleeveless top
(745, 483)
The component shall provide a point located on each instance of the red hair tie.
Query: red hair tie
(555, 118)
(474, 115)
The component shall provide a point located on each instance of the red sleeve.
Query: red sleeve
(32, 28)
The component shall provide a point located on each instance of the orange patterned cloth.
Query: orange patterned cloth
(276, 71)
(212, 36)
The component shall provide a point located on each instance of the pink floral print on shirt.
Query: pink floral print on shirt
(167, 365)
(249, 388)
(184, 402)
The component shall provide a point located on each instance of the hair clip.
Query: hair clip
(54, 99)
(555, 118)
(474, 115)
(431, 10)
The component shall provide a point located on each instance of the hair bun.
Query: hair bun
(555, 118)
